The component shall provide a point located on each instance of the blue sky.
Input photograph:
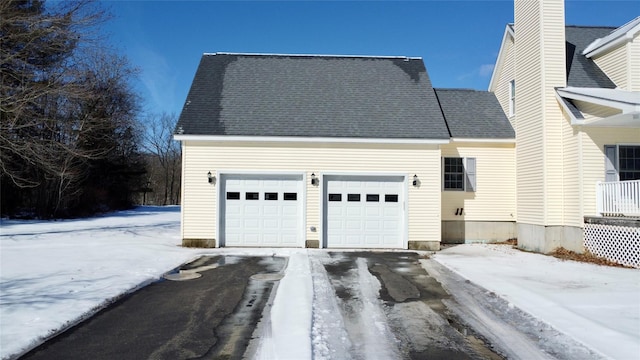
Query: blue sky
(458, 40)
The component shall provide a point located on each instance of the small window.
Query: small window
(512, 97)
(290, 196)
(233, 195)
(391, 198)
(373, 198)
(251, 196)
(335, 197)
(353, 197)
(271, 196)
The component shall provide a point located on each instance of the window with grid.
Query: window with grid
(453, 174)
(629, 162)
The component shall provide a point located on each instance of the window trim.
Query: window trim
(469, 174)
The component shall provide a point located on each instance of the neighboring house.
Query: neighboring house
(339, 152)
(572, 93)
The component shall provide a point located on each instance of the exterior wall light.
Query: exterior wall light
(314, 179)
(415, 180)
(210, 177)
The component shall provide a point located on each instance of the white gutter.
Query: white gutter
(485, 140)
(273, 139)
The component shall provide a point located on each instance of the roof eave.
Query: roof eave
(301, 139)
(616, 38)
(508, 32)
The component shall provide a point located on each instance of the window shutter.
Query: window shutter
(610, 163)
(470, 171)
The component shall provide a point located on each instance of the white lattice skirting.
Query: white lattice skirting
(619, 244)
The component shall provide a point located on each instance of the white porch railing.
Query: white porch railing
(618, 198)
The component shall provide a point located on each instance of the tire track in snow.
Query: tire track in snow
(377, 341)
(329, 337)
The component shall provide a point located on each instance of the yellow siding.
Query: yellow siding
(199, 206)
(554, 76)
(614, 63)
(572, 178)
(506, 74)
(528, 99)
(495, 197)
(634, 64)
(540, 67)
(592, 111)
(593, 157)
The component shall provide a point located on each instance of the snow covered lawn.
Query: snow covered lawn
(598, 306)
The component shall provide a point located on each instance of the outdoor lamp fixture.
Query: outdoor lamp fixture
(210, 177)
(314, 179)
(415, 180)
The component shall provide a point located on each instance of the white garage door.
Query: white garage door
(364, 212)
(261, 210)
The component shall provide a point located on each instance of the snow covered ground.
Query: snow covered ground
(52, 274)
(597, 306)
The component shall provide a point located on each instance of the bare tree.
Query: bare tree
(166, 157)
(65, 105)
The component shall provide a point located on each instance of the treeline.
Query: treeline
(69, 132)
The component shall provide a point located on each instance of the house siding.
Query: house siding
(615, 64)
(495, 195)
(507, 73)
(571, 172)
(199, 197)
(540, 67)
(634, 64)
(592, 111)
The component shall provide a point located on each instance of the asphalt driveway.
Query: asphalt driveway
(386, 306)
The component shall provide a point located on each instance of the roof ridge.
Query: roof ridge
(460, 89)
(316, 55)
(592, 26)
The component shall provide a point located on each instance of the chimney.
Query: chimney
(540, 67)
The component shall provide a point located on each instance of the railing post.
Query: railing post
(599, 198)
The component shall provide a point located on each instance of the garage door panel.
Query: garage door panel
(254, 211)
(372, 211)
(251, 224)
(354, 211)
(353, 225)
(289, 224)
(289, 210)
(372, 225)
(270, 224)
(373, 218)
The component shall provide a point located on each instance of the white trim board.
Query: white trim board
(294, 139)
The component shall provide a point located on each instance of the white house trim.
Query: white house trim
(628, 102)
(483, 140)
(508, 32)
(294, 139)
(617, 37)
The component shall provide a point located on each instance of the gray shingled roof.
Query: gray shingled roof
(582, 71)
(474, 114)
(312, 96)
